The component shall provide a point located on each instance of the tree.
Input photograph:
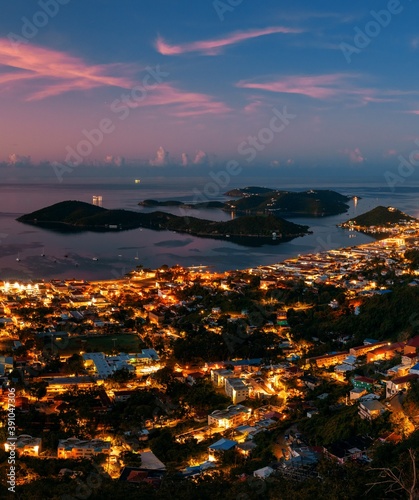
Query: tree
(37, 390)
(131, 459)
(74, 364)
(399, 479)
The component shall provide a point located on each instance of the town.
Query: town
(253, 377)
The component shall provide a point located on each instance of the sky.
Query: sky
(180, 87)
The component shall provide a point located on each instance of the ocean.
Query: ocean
(29, 252)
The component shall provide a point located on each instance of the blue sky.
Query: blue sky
(206, 82)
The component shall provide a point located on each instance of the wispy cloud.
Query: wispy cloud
(315, 86)
(215, 46)
(330, 87)
(182, 103)
(52, 72)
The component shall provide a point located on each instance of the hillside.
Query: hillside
(319, 203)
(80, 216)
(379, 217)
(260, 200)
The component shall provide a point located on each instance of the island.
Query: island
(260, 200)
(312, 203)
(379, 222)
(252, 230)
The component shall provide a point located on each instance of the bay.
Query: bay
(96, 256)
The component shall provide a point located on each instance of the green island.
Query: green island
(81, 216)
(256, 200)
(379, 221)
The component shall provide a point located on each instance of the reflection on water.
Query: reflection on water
(109, 255)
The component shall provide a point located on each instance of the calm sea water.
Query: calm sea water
(71, 256)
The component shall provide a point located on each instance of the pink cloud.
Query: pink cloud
(212, 47)
(253, 106)
(51, 72)
(181, 103)
(354, 155)
(317, 86)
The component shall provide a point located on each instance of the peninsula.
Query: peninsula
(379, 222)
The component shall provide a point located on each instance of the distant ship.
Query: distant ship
(137, 181)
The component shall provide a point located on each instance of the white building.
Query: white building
(236, 389)
(77, 448)
(232, 417)
(24, 445)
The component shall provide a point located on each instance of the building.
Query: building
(385, 352)
(263, 473)
(236, 389)
(123, 395)
(98, 364)
(361, 382)
(412, 345)
(364, 349)
(369, 410)
(352, 448)
(216, 450)
(77, 448)
(356, 393)
(218, 377)
(232, 417)
(25, 445)
(397, 384)
(329, 359)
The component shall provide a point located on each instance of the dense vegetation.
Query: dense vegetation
(260, 200)
(380, 216)
(306, 203)
(83, 216)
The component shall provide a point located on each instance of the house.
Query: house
(360, 382)
(6, 365)
(415, 369)
(356, 393)
(123, 395)
(310, 382)
(410, 359)
(399, 383)
(77, 448)
(263, 473)
(136, 475)
(246, 448)
(352, 448)
(412, 346)
(369, 410)
(193, 377)
(24, 445)
(219, 447)
(385, 352)
(149, 461)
